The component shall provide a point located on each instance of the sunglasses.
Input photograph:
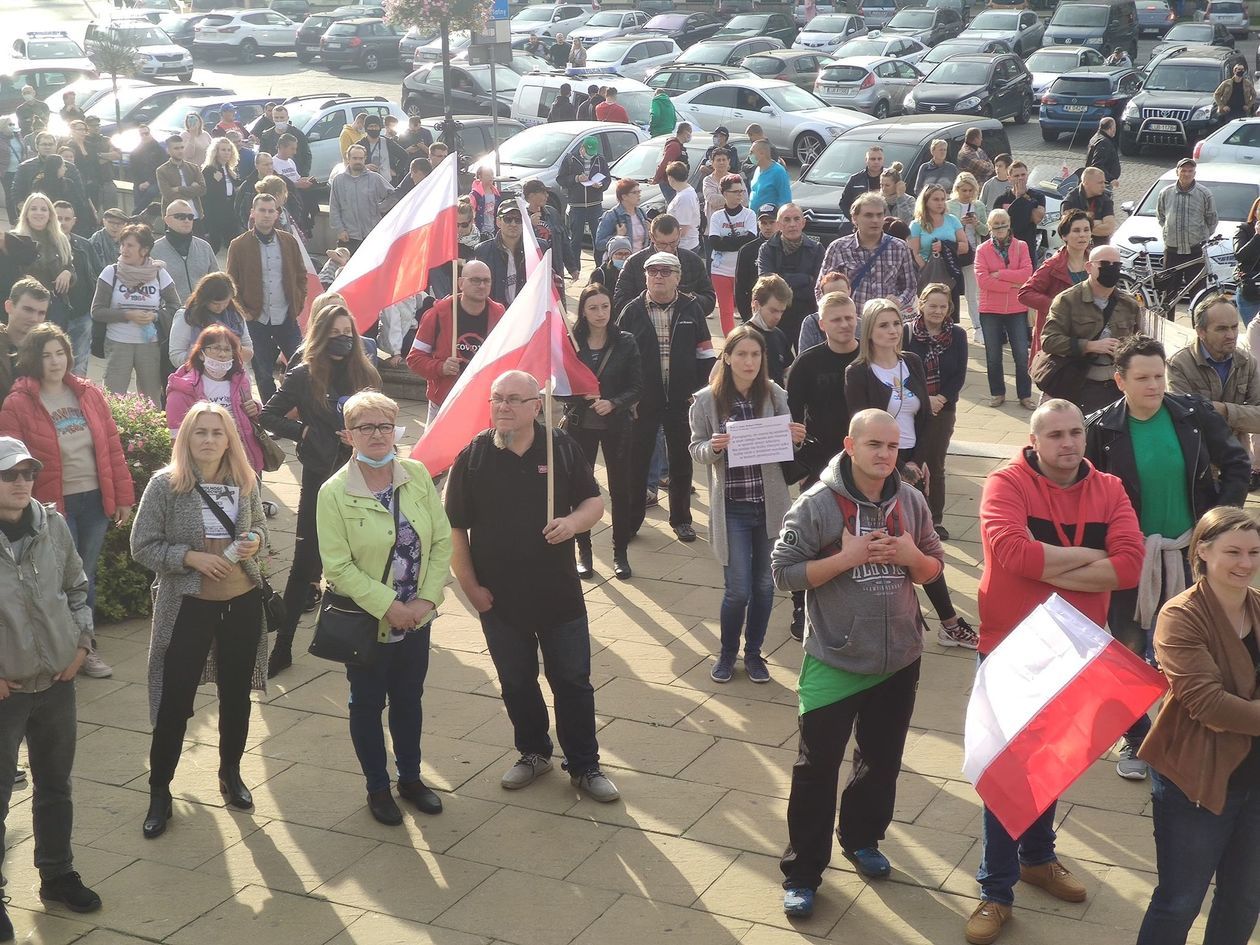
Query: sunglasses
(182, 216)
(12, 475)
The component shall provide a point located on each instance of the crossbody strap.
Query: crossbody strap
(394, 505)
(218, 511)
(866, 267)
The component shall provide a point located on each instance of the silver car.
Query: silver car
(1048, 64)
(1023, 29)
(876, 85)
(828, 33)
(609, 24)
(1231, 14)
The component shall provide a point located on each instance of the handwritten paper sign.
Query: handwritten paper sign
(764, 440)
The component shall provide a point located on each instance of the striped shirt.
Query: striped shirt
(744, 483)
(662, 317)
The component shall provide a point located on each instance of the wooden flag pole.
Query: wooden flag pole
(551, 457)
(455, 306)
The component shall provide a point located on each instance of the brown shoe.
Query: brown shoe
(1054, 878)
(997, 401)
(1028, 403)
(985, 924)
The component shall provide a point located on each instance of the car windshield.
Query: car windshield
(504, 78)
(713, 54)
(608, 18)
(861, 47)
(1043, 60)
(1077, 85)
(533, 15)
(1176, 77)
(835, 166)
(639, 163)
(959, 73)
(145, 36)
(914, 19)
(610, 50)
(344, 28)
(740, 24)
(763, 65)
(1227, 194)
(53, 49)
(1230, 8)
(995, 20)
(535, 147)
(1190, 31)
(638, 105)
(667, 21)
(128, 100)
(827, 24)
(791, 98)
(843, 74)
(319, 23)
(1079, 14)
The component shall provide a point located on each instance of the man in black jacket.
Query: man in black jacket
(746, 262)
(864, 180)
(269, 140)
(385, 156)
(584, 176)
(1163, 447)
(563, 109)
(695, 282)
(677, 355)
(142, 170)
(75, 318)
(24, 182)
(558, 54)
(1102, 152)
(586, 111)
(796, 258)
(504, 253)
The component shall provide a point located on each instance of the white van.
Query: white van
(538, 91)
(634, 57)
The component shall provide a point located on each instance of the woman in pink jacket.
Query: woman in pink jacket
(1002, 266)
(215, 371)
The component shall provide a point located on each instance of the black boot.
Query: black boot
(420, 794)
(383, 808)
(621, 566)
(281, 655)
(585, 558)
(160, 811)
(234, 790)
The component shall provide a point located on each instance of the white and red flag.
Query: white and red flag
(531, 336)
(393, 263)
(313, 286)
(1049, 701)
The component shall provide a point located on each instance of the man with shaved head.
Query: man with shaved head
(518, 571)
(856, 542)
(1050, 523)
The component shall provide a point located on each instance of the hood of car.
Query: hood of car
(928, 92)
(163, 50)
(1156, 99)
(839, 117)
(989, 34)
(806, 38)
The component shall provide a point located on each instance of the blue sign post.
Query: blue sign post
(500, 10)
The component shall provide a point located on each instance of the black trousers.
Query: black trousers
(232, 627)
(616, 444)
(306, 567)
(643, 443)
(1175, 281)
(937, 591)
(940, 431)
(879, 718)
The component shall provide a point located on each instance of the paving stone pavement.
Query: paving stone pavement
(690, 853)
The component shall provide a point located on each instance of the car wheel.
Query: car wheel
(185, 76)
(248, 51)
(1025, 112)
(304, 56)
(808, 146)
(1129, 145)
(410, 107)
(1048, 135)
(881, 109)
(371, 62)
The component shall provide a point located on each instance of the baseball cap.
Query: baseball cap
(13, 451)
(1187, 162)
(113, 213)
(767, 210)
(618, 244)
(506, 207)
(722, 130)
(662, 259)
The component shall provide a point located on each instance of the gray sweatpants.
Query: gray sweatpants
(123, 358)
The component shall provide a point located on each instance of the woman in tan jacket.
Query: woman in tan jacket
(1202, 750)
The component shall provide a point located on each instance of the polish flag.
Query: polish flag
(1049, 701)
(393, 263)
(313, 286)
(531, 336)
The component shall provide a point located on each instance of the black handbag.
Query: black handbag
(345, 632)
(272, 603)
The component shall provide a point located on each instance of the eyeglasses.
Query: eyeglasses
(512, 401)
(661, 272)
(225, 350)
(510, 221)
(1000, 226)
(477, 280)
(182, 216)
(11, 475)
(367, 429)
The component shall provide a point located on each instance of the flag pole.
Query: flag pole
(455, 305)
(551, 458)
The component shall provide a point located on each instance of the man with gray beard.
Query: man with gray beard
(518, 570)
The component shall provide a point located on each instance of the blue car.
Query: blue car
(1075, 101)
(1154, 17)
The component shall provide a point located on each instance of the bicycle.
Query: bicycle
(1148, 285)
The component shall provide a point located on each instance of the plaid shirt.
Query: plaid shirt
(661, 317)
(743, 483)
(1188, 217)
(893, 276)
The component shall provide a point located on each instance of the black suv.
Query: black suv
(1176, 107)
(366, 42)
(907, 139)
(993, 86)
(928, 26)
(306, 40)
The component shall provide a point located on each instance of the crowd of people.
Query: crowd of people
(1125, 501)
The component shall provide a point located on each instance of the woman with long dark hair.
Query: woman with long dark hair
(333, 367)
(212, 302)
(222, 185)
(604, 420)
(1061, 271)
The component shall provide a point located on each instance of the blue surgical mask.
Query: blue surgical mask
(374, 463)
(618, 263)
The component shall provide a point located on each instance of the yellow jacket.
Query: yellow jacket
(349, 135)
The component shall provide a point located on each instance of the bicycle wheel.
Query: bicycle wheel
(1213, 287)
(1149, 301)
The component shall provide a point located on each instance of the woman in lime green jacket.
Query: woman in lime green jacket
(386, 544)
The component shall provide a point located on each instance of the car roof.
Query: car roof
(867, 62)
(730, 40)
(733, 71)
(917, 128)
(761, 83)
(787, 53)
(361, 20)
(619, 82)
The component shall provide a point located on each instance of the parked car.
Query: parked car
(47, 82)
(422, 90)
(1195, 34)
(778, 26)
(306, 39)
(828, 33)
(876, 85)
(728, 52)
(412, 40)
(1231, 14)
(431, 51)
(881, 44)
(677, 78)
(157, 57)
(796, 122)
(49, 48)
(877, 13)
(548, 19)
(87, 91)
(537, 92)
(639, 163)
(1049, 63)
(1075, 102)
(1103, 24)
(366, 42)
(137, 105)
(961, 7)
(1175, 106)
(1023, 29)
(1236, 142)
(609, 24)
(245, 34)
(180, 27)
(993, 86)
(927, 26)
(798, 66)
(295, 10)
(170, 120)
(800, 13)
(686, 29)
(961, 46)
(631, 56)
(322, 117)
(476, 136)
(1154, 17)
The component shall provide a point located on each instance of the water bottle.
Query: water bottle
(232, 552)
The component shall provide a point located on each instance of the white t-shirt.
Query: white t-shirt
(686, 208)
(217, 392)
(146, 297)
(286, 168)
(725, 223)
(228, 498)
(903, 405)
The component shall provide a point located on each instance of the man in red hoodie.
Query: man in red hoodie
(1049, 523)
(431, 355)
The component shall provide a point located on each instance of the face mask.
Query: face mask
(281, 125)
(340, 346)
(1108, 274)
(618, 263)
(28, 96)
(374, 463)
(216, 369)
(374, 132)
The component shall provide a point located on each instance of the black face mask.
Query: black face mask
(340, 346)
(374, 132)
(1108, 274)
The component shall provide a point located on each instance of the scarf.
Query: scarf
(143, 274)
(1004, 249)
(936, 345)
(182, 242)
(1163, 575)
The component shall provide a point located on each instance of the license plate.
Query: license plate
(332, 45)
(1164, 126)
(1074, 108)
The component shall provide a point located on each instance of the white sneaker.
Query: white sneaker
(95, 667)
(961, 635)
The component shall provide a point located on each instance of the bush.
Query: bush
(122, 586)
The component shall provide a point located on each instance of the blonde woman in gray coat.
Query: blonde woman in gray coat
(747, 503)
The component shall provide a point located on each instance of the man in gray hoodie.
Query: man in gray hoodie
(857, 542)
(45, 634)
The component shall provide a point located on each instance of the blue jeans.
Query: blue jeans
(1246, 309)
(397, 678)
(88, 524)
(999, 865)
(997, 330)
(79, 328)
(566, 653)
(269, 341)
(582, 219)
(660, 463)
(749, 586)
(1191, 846)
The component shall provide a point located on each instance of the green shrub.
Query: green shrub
(122, 586)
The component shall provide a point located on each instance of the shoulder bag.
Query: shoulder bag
(273, 604)
(345, 632)
(273, 452)
(1058, 376)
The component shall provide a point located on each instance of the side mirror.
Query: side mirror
(766, 110)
